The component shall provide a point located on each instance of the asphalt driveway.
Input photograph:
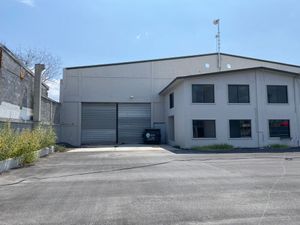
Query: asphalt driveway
(153, 186)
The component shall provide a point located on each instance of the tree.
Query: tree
(30, 57)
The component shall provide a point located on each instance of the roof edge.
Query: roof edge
(138, 61)
(226, 71)
(178, 57)
(15, 58)
(261, 60)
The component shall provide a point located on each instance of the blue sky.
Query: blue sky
(85, 32)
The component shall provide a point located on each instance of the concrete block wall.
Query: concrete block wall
(17, 94)
(50, 111)
(16, 89)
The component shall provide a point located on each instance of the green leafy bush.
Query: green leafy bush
(27, 143)
(7, 141)
(47, 136)
(51, 136)
(24, 144)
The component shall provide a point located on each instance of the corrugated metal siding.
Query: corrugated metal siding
(133, 119)
(98, 123)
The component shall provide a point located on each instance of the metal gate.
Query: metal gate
(133, 119)
(98, 123)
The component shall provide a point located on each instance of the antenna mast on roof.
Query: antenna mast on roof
(218, 42)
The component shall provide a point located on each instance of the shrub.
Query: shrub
(24, 144)
(47, 136)
(214, 147)
(51, 136)
(7, 141)
(27, 143)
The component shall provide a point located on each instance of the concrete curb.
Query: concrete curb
(232, 151)
(12, 163)
(45, 151)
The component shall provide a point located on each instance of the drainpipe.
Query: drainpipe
(295, 86)
(257, 115)
(38, 69)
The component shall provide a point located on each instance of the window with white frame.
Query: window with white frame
(203, 93)
(238, 93)
(277, 94)
(204, 129)
(171, 100)
(279, 128)
(240, 128)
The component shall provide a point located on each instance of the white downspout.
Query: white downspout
(296, 109)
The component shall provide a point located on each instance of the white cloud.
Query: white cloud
(30, 3)
(138, 36)
(142, 35)
(54, 86)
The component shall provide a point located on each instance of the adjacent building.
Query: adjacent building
(17, 94)
(247, 102)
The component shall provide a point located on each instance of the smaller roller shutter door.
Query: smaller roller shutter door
(98, 123)
(133, 119)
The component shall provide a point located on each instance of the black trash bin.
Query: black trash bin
(151, 136)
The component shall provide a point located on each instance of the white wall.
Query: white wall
(178, 113)
(14, 112)
(258, 110)
(71, 123)
(144, 81)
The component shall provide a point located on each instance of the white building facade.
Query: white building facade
(241, 104)
(245, 108)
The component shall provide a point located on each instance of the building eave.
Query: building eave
(180, 78)
(179, 57)
(138, 61)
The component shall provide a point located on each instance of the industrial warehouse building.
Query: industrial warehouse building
(193, 100)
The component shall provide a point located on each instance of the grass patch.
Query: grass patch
(60, 148)
(278, 146)
(214, 147)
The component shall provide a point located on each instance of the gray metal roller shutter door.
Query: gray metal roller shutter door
(98, 123)
(133, 119)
